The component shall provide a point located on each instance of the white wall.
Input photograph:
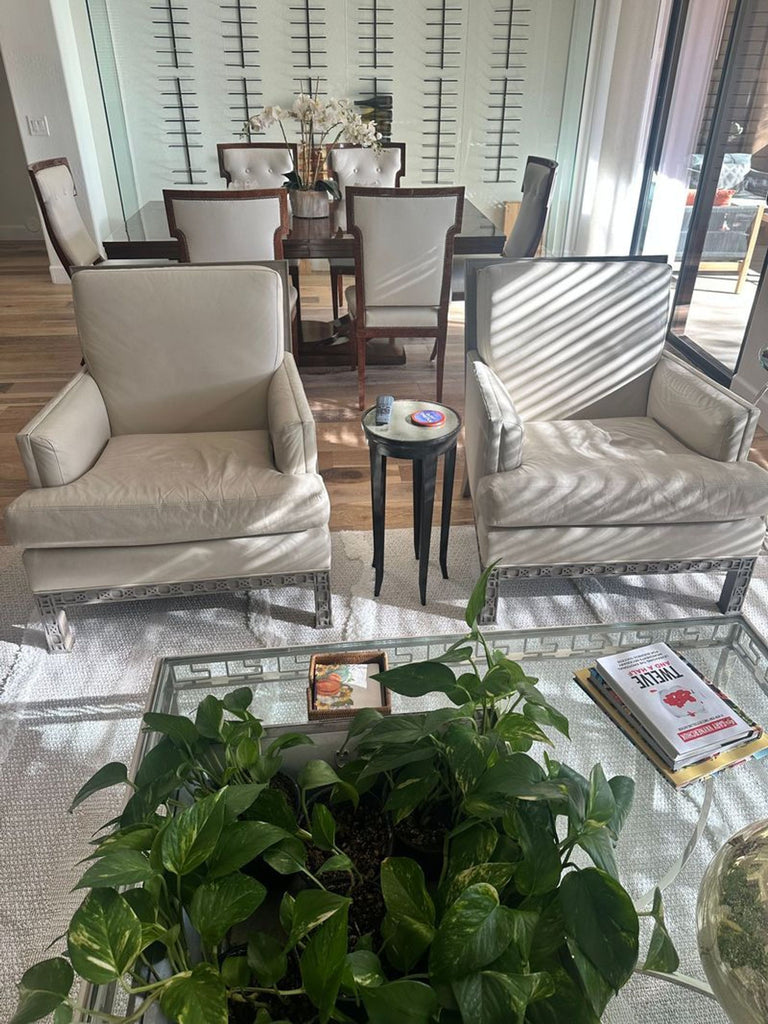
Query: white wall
(18, 213)
(39, 48)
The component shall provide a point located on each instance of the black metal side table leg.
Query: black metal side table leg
(378, 501)
(449, 468)
(429, 475)
(417, 492)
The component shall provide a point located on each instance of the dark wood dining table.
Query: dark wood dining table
(145, 236)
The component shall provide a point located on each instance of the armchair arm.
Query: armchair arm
(493, 430)
(67, 436)
(291, 426)
(703, 415)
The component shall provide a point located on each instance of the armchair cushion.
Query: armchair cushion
(495, 443)
(624, 471)
(67, 435)
(703, 415)
(168, 488)
(291, 425)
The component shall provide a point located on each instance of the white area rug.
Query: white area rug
(62, 717)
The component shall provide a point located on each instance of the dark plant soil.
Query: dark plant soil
(422, 838)
(296, 1009)
(366, 837)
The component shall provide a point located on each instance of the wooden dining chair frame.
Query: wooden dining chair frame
(222, 146)
(40, 165)
(361, 333)
(337, 272)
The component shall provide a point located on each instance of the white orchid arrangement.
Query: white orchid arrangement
(323, 124)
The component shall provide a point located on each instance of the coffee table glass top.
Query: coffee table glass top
(726, 648)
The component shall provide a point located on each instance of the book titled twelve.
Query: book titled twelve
(684, 715)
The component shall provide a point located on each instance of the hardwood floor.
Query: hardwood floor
(39, 352)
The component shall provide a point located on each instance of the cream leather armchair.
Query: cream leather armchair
(182, 460)
(590, 450)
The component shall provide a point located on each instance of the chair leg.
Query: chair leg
(360, 347)
(340, 289)
(433, 353)
(323, 610)
(735, 587)
(296, 335)
(335, 292)
(58, 633)
(440, 345)
(488, 615)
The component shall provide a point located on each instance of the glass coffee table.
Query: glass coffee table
(670, 836)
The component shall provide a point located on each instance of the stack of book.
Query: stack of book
(686, 726)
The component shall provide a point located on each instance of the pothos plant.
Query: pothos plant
(220, 897)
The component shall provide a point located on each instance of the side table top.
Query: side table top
(400, 427)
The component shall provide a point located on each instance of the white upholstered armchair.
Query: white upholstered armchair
(590, 450)
(182, 460)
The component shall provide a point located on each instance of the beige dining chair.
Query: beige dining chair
(365, 167)
(256, 164)
(403, 241)
(231, 226)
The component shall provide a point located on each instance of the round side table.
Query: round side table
(402, 439)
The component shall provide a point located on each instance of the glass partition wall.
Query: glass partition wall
(707, 178)
(472, 87)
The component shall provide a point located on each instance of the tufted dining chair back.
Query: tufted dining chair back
(256, 164)
(365, 167)
(55, 191)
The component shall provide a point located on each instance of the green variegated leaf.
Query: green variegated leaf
(623, 789)
(236, 972)
(123, 867)
(199, 998)
(408, 927)
(63, 1014)
(240, 843)
(599, 845)
(180, 730)
(496, 874)
(104, 937)
(111, 774)
(601, 805)
(238, 798)
(339, 862)
(135, 837)
(238, 700)
(476, 601)
(210, 717)
(267, 958)
(323, 960)
(42, 988)
(600, 918)
(519, 731)
(474, 931)
(323, 827)
(362, 969)
(286, 857)
(488, 997)
(311, 908)
(404, 1002)
(316, 774)
(218, 905)
(191, 837)
(418, 679)
(662, 955)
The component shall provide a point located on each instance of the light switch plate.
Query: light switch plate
(38, 125)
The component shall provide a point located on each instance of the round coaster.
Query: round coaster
(428, 418)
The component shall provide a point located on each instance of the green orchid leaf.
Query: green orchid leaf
(218, 905)
(407, 1002)
(489, 997)
(42, 989)
(267, 958)
(179, 730)
(112, 774)
(311, 908)
(323, 827)
(474, 931)
(123, 867)
(198, 998)
(287, 856)
(239, 699)
(210, 717)
(323, 960)
(240, 843)
(662, 955)
(477, 598)
(623, 789)
(362, 969)
(104, 937)
(600, 918)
